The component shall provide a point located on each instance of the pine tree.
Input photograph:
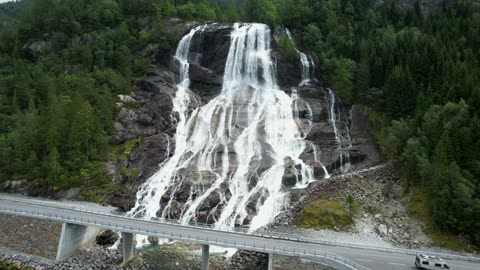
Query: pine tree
(362, 78)
(261, 11)
(342, 81)
(82, 126)
(54, 168)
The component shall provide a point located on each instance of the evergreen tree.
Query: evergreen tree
(261, 11)
(342, 81)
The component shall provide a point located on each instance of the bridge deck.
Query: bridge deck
(90, 215)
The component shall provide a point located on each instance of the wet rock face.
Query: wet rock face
(210, 47)
(147, 114)
(288, 70)
(208, 56)
(147, 111)
(364, 148)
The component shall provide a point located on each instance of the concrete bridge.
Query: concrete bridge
(82, 224)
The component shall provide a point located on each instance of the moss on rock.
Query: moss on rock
(323, 214)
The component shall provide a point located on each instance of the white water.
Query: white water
(342, 141)
(235, 148)
(308, 66)
(304, 121)
(316, 158)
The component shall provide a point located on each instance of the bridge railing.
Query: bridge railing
(263, 233)
(247, 245)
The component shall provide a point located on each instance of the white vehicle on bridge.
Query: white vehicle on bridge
(424, 262)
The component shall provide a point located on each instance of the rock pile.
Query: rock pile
(379, 193)
(96, 257)
(246, 260)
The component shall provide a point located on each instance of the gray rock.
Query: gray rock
(382, 229)
(107, 238)
(153, 240)
(37, 46)
(16, 186)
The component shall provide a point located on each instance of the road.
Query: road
(86, 215)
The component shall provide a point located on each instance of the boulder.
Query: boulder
(153, 240)
(107, 238)
(16, 186)
(382, 230)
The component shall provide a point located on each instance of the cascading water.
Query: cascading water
(308, 66)
(342, 141)
(316, 159)
(231, 154)
(148, 200)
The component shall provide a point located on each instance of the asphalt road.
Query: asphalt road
(373, 259)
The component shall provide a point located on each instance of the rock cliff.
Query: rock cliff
(147, 113)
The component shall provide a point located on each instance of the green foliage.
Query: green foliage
(352, 206)
(312, 36)
(440, 158)
(197, 11)
(419, 209)
(63, 62)
(5, 266)
(123, 150)
(57, 101)
(419, 74)
(10, 12)
(264, 11)
(397, 136)
(400, 92)
(323, 214)
(286, 48)
(342, 81)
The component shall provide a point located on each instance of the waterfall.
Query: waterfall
(150, 193)
(342, 141)
(304, 121)
(316, 158)
(308, 66)
(231, 153)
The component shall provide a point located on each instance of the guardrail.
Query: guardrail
(261, 233)
(307, 253)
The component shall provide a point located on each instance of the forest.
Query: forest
(62, 64)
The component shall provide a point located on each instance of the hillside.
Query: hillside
(87, 91)
(10, 12)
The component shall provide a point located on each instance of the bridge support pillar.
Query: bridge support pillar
(270, 261)
(74, 237)
(127, 246)
(205, 255)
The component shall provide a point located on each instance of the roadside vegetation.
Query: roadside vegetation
(418, 209)
(62, 64)
(324, 214)
(5, 266)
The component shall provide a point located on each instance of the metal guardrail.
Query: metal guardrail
(262, 233)
(188, 237)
